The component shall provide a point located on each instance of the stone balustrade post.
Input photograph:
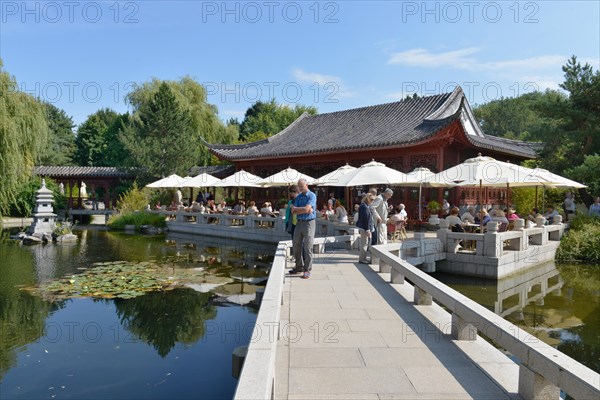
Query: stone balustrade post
(422, 298)
(462, 330)
(384, 267)
(533, 386)
(442, 234)
(522, 242)
(396, 276)
(492, 244)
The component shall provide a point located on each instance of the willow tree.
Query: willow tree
(24, 134)
(203, 121)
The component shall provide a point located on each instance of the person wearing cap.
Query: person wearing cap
(379, 210)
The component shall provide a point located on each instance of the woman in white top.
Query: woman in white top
(341, 215)
(252, 209)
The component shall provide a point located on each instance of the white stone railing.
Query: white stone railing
(276, 224)
(492, 243)
(543, 369)
(257, 379)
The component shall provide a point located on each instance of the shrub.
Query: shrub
(25, 200)
(135, 199)
(582, 242)
(138, 219)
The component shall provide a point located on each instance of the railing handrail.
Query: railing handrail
(561, 370)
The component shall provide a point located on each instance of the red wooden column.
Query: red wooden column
(440, 166)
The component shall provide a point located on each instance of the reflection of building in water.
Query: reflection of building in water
(237, 253)
(513, 293)
(516, 292)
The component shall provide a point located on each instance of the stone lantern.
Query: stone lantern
(43, 215)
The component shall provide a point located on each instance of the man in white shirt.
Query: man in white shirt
(379, 210)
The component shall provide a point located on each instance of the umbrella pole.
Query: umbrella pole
(420, 202)
(481, 206)
(536, 197)
(507, 197)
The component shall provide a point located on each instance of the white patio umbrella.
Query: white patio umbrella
(422, 176)
(202, 180)
(371, 173)
(171, 181)
(486, 171)
(531, 177)
(288, 176)
(240, 179)
(334, 176)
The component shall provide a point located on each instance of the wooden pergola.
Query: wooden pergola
(106, 178)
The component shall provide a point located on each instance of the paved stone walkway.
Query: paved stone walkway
(348, 334)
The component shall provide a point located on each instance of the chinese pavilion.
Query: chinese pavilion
(436, 132)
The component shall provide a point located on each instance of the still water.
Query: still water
(556, 303)
(165, 344)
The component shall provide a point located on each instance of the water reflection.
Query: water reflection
(558, 304)
(162, 322)
(173, 325)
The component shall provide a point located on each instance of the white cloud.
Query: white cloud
(424, 58)
(331, 85)
(532, 63)
(466, 59)
(312, 77)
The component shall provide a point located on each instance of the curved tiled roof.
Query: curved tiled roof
(380, 126)
(83, 172)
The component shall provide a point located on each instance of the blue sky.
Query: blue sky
(334, 55)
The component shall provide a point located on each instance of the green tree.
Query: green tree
(262, 119)
(158, 137)
(24, 134)
(61, 147)
(577, 129)
(203, 121)
(518, 117)
(97, 139)
(587, 173)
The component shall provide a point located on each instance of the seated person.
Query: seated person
(399, 217)
(500, 218)
(327, 211)
(266, 210)
(483, 218)
(196, 207)
(355, 215)
(550, 214)
(469, 216)
(252, 209)
(222, 207)
(511, 215)
(211, 208)
(158, 206)
(341, 215)
(454, 221)
(532, 215)
(240, 207)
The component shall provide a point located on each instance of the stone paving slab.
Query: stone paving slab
(377, 344)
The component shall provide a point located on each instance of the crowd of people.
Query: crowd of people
(376, 219)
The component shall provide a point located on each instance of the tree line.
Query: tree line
(170, 121)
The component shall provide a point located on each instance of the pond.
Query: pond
(557, 303)
(173, 343)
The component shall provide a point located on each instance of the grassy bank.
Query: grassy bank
(138, 219)
(582, 242)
